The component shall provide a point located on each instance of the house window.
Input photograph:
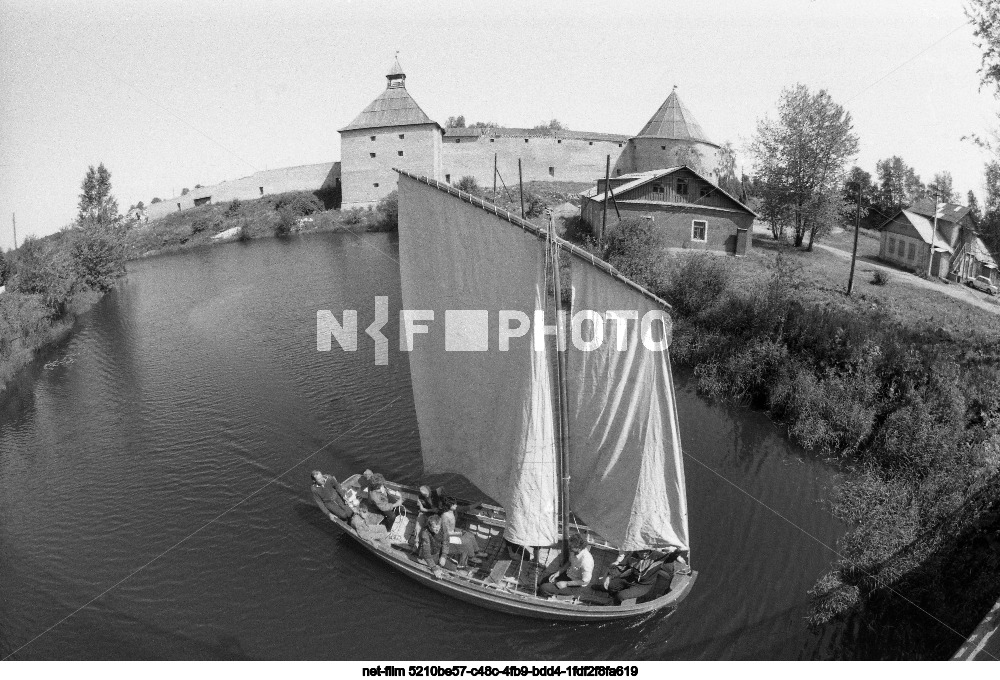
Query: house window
(699, 230)
(892, 245)
(400, 153)
(372, 154)
(552, 171)
(375, 185)
(447, 178)
(402, 136)
(703, 192)
(911, 253)
(902, 248)
(659, 193)
(682, 186)
(373, 138)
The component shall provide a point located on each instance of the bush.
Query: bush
(387, 218)
(287, 222)
(635, 247)
(353, 217)
(880, 278)
(234, 208)
(42, 268)
(200, 224)
(297, 204)
(469, 185)
(533, 205)
(99, 254)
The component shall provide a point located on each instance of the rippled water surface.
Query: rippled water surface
(154, 473)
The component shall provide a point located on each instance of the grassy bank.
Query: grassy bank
(901, 385)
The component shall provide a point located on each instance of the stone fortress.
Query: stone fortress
(394, 132)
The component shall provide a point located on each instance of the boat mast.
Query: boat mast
(562, 419)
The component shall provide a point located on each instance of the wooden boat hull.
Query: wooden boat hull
(516, 602)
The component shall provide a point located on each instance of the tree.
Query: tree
(96, 202)
(985, 18)
(155, 200)
(946, 187)
(488, 124)
(800, 158)
(551, 125)
(455, 122)
(42, 268)
(728, 181)
(857, 178)
(99, 253)
(975, 213)
(899, 186)
(185, 191)
(140, 206)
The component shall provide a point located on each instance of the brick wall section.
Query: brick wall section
(571, 158)
(419, 144)
(298, 178)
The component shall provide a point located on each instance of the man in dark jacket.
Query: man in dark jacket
(326, 493)
(434, 546)
(383, 502)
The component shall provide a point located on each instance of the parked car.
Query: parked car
(982, 283)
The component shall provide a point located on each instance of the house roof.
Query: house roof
(982, 253)
(949, 212)
(638, 179)
(673, 120)
(393, 107)
(924, 228)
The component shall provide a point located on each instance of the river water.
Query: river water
(154, 502)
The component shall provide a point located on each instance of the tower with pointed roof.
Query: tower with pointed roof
(671, 137)
(391, 132)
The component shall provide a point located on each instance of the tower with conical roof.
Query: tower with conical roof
(391, 132)
(671, 137)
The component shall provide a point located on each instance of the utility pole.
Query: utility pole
(520, 185)
(854, 252)
(607, 187)
(13, 219)
(930, 260)
(494, 178)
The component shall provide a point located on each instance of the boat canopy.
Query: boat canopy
(488, 412)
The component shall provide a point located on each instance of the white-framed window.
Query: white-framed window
(699, 230)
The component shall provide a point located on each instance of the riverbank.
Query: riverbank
(898, 383)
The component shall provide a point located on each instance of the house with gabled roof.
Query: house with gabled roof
(690, 210)
(937, 237)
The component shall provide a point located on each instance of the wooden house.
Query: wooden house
(691, 210)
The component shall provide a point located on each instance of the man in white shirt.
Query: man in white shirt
(573, 576)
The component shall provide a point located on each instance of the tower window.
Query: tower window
(491, 141)
(447, 178)
(262, 191)
(558, 141)
(375, 185)
(525, 140)
(663, 148)
(682, 186)
(591, 143)
(400, 153)
(619, 146)
(458, 141)
(552, 171)
(402, 136)
(372, 154)
(373, 138)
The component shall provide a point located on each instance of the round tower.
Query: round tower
(671, 137)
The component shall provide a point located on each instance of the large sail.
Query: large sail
(484, 414)
(627, 474)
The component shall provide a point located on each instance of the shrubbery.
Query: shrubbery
(913, 413)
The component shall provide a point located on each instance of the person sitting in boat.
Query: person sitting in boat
(365, 481)
(574, 575)
(434, 547)
(384, 501)
(633, 576)
(464, 543)
(326, 492)
(428, 503)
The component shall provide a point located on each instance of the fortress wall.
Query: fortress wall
(571, 159)
(266, 182)
(421, 153)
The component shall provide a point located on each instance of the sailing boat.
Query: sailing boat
(585, 444)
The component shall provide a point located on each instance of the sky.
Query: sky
(169, 94)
